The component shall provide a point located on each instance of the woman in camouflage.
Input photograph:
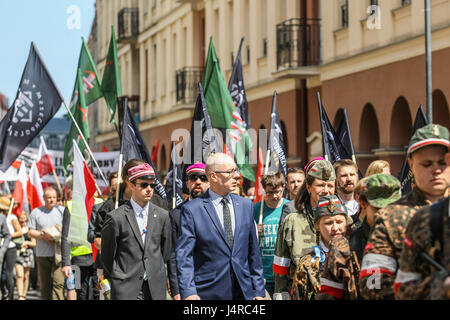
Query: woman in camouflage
(296, 233)
(330, 270)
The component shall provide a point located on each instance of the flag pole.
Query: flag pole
(174, 181)
(119, 176)
(11, 206)
(86, 144)
(266, 168)
(57, 182)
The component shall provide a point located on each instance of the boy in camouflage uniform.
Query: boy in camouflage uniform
(428, 232)
(426, 154)
(329, 270)
(297, 233)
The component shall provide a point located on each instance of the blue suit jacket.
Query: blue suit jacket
(205, 259)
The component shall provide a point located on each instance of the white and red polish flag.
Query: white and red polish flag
(44, 163)
(35, 193)
(82, 198)
(20, 191)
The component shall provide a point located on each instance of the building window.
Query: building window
(406, 3)
(344, 14)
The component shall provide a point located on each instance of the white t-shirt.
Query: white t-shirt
(352, 207)
(11, 229)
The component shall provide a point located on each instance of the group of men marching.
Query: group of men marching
(338, 237)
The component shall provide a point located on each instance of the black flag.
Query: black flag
(174, 186)
(333, 148)
(237, 89)
(37, 101)
(132, 146)
(276, 141)
(405, 175)
(204, 139)
(345, 135)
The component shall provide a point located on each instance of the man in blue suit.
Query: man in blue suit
(217, 253)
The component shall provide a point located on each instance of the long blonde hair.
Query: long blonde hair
(377, 166)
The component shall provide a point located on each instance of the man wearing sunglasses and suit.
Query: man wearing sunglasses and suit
(136, 242)
(217, 253)
(197, 184)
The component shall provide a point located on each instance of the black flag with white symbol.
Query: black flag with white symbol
(37, 101)
(276, 142)
(132, 146)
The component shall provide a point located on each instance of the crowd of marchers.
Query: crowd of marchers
(320, 232)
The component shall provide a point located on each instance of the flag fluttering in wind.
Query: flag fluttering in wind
(155, 153)
(237, 89)
(89, 79)
(20, 191)
(133, 146)
(405, 176)
(82, 199)
(276, 142)
(37, 101)
(111, 84)
(80, 116)
(224, 114)
(333, 149)
(345, 135)
(44, 162)
(35, 193)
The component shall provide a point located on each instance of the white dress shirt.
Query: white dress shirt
(216, 201)
(141, 217)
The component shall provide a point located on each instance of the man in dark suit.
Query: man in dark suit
(217, 253)
(197, 184)
(136, 242)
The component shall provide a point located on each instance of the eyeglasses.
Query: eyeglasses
(144, 185)
(272, 193)
(230, 172)
(194, 178)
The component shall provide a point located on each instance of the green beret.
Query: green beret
(381, 189)
(431, 134)
(322, 170)
(330, 206)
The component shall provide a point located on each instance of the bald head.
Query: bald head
(222, 173)
(218, 160)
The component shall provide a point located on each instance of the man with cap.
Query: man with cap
(328, 270)
(428, 233)
(376, 192)
(197, 184)
(297, 232)
(426, 158)
(136, 242)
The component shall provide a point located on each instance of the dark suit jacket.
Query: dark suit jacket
(126, 258)
(175, 219)
(205, 260)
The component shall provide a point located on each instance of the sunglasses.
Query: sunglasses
(144, 185)
(202, 177)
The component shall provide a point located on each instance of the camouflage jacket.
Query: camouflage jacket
(295, 238)
(379, 264)
(416, 278)
(334, 278)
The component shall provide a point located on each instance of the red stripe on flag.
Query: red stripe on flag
(45, 165)
(33, 196)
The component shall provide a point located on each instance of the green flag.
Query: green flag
(111, 85)
(90, 81)
(224, 114)
(80, 116)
